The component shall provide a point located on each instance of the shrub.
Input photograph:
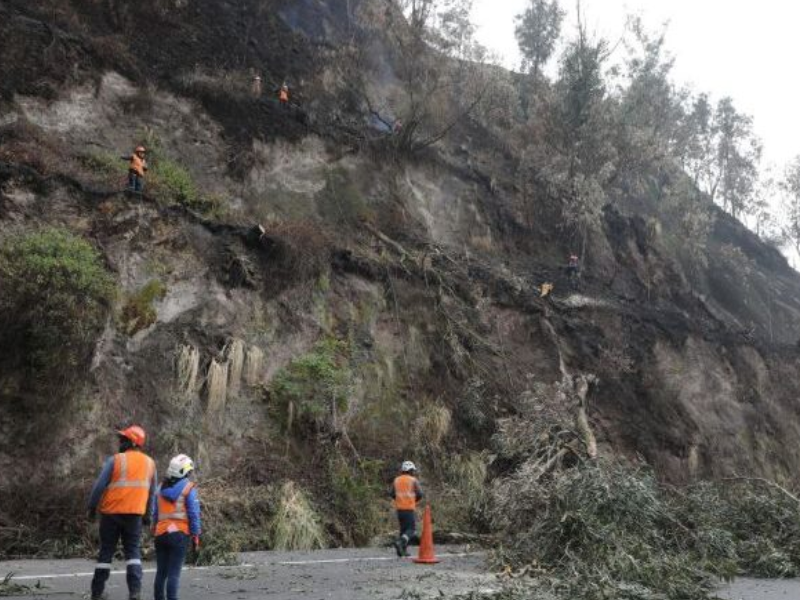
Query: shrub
(54, 295)
(358, 498)
(236, 518)
(139, 312)
(306, 391)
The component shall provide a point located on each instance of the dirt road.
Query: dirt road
(368, 574)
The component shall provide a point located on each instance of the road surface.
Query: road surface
(762, 589)
(364, 574)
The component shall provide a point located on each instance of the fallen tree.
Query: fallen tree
(577, 527)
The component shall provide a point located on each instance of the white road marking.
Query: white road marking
(288, 563)
(333, 561)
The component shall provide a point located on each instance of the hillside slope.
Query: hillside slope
(389, 310)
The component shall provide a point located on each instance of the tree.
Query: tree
(790, 185)
(537, 29)
(578, 131)
(761, 209)
(650, 112)
(738, 155)
(441, 69)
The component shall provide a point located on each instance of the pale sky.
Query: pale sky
(745, 49)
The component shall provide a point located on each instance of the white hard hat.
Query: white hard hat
(180, 466)
(408, 466)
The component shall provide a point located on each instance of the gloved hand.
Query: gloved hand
(91, 514)
(195, 543)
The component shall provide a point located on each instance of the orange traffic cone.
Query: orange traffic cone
(426, 555)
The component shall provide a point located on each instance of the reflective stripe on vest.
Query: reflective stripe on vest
(129, 488)
(172, 516)
(405, 492)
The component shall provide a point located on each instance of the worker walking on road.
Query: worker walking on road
(123, 494)
(406, 492)
(136, 169)
(176, 524)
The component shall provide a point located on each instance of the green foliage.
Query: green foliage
(175, 183)
(105, 163)
(357, 498)
(139, 312)
(307, 390)
(607, 531)
(538, 28)
(172, 183)
(54, 295)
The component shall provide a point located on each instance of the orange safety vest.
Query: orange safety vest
(138, 165)
(284, 94)
(129, 489)
(405, 492)
(172, 516)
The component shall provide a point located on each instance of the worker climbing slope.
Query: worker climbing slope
(406, 492)
(124, 495)
(283, 95)
(137, 167)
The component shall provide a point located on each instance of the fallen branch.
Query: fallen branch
(766, 482)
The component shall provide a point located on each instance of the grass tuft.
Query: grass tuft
(296, 525)
(139, 312)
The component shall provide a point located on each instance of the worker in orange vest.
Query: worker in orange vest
(406, 492)
(176, 525)
(283, 95)
(137, 166)
(124, 495)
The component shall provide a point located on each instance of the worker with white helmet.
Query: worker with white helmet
(176, 525)
(406, 492)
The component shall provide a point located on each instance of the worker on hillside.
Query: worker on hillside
(124, 495)
(136, 169)
(573, 266)
(256, 88)
(406, 492)
(176, 525)
(283, 95)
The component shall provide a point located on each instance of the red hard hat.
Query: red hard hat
(135, 434)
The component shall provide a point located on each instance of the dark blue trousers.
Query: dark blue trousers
(170, 553)
(135, 182)
(128, 528)
(407, 519)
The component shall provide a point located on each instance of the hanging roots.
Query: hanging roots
(188, 367)
(234, 352)
(253, 365)
(217, 385)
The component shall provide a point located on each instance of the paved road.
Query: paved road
(762, 589)
(367, 574)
